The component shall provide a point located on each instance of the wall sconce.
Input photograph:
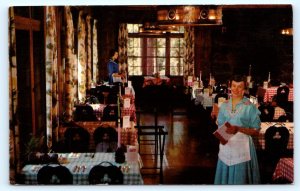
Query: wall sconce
(195, 15)
(287, 31)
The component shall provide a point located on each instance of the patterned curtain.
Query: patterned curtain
(51, 75)
(14, 149)
(95, 53)
(122, 40)
(69, 65)
(81, 58)
(89, 53)
(188, 60)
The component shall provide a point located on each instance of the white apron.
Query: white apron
(236, 150)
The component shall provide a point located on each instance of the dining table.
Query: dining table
(150, 80)
(259, 141)
(80, 165)
(272, 91)
(284, 169)
(128, 135)
(99, 108)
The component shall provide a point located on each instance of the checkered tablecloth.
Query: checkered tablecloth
(131, 111)
(284, 169)
(204, 100)
(260, 140)
(76, 162)
(150, 80)
(278, 111)
(130, 96)
(128, 135)
(270, 92)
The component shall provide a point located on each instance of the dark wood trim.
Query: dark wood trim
(144, 57)
(23, 23)
(32, 72)
(168, 47)
(60, 68)
(170, 35)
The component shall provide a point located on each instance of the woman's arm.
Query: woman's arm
(233, 129)
(247, 131)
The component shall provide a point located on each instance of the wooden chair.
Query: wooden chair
(58, 175)
(106, 173)
(77, 139)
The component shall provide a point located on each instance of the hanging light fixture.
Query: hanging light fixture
(190, 15)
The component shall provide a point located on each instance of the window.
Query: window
(134, 53)
(148, 55)
(176, 57)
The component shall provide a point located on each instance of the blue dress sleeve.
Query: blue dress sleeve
(254, 114)
(222, 115)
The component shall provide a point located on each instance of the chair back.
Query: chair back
(92, 100)
(224, 95)
(267, 113)
(260, 94)
(276, 139)
(84, 113)
(109, 145)
(110, 113)
(282, 96)
(54, 175)
(106, 173)
(99, 132)
(77, 139)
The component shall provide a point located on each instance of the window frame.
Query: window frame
(167, 37)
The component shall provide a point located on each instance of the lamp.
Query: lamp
(287, 31)
(190, 15)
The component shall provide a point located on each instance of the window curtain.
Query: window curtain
(82, 58)
(69, 65)
(189, 53)
(122, 40)
(89, 53)
(51, 74)
(14, 149)
(95, 53)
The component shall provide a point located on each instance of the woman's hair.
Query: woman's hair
(239, 78)
(112, 52)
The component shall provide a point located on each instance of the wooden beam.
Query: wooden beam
(23, 23)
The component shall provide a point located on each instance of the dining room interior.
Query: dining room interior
(154, 123)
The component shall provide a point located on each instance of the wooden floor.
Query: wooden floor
(191, 151)
(190, 155)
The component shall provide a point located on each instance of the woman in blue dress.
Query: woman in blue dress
(112, 66)
(237, 162)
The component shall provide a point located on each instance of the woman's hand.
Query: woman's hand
(231, 129)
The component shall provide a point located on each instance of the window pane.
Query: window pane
(151, 66)
(175, 52)
(175, 42)
(137, 52)
(174, 62)
(176, 66)
(161, 52)
(130, 28)
(133, 28)
(161, 42)
(161, 66)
